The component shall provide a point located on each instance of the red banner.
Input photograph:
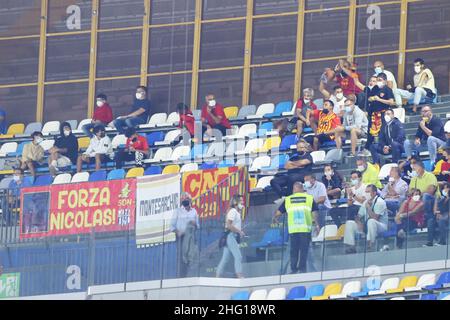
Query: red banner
(68, 209)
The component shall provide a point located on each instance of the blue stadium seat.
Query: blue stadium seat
(375, 284)
(44, 180)
(313, 291)
(19, 150)
(226, 163)
(444, 278)
(428, 297)
(296, 293)
(154, 137)
(263, 129)
(288, 141)
(208, 165)
(152, 170)
(116, 174)
(100, 175)
(284, 106)
(272, 237)
(240, 295)
(427, 165)
(277, 162)
(28, 180)
(442, 295)
(196, 152)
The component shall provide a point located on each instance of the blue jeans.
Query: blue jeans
(396, 150)
(432, 144)
(323, 212)
(122, 124)
(393, 206)
(442, 224)
(230, 250)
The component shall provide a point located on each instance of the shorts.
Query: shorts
(324, 138)
(103, 159)
(63, 162)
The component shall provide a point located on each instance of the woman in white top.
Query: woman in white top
(233, 225)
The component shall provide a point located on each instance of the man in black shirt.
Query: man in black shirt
(430, 134)
(299, 164)
(65, 151)
(332, 181)
(140, 111)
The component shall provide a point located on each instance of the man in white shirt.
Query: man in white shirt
(424, 87)
(319, 192)
(355, 122)
(379, 68)
(374, 211)
(394, 192)
(99, 151)
(338, 98)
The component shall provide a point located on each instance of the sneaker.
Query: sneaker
(385, 248)
(428, 244)
(350, 250)
(437, 244)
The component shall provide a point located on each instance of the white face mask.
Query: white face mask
(340, 96)
(139, 96)
(444, 193)
(361, 168)
(387, 118)
(414, 174)
(348, 109)
(380, 84)
(416, 197)
(306, 101)
(370, 87)
(417, 69)
(212, 103)
(39, 140)
(101, 103)
(16, 178)
(240, 206)
(307, 185)
(355, 182)
(67, 133)
(378, 70)
(391, 179)
(328, 173)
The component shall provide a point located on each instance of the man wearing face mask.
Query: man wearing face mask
(421, 179)
(345, 74)
(355, 122)
(136, 149)
(33, 153)
(184, 223)
(378, 67)
(99, 151)
(213, 117)
(332, 181)
(305, 112)
(368, 171)
(394, 192)
(65, 151)
(17, 183)
(430, 134)
(319, 192)
(440, 218)
(329, 127)
(368, 91)
(424, 90)
(140, 111)
(102, 115)
(337, 98)
(391, 139)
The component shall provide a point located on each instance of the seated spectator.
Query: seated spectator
(424, 86)
(102, 115)
(187, 120)
(378, 67)
(329, 127)
(304, 112)
(299, 164)
(406, 167)
(410, 216)
(373, 211)
(17, 183)
(430, 134)
(431, 198)
(13, 197)
(332, 181)
(355, 122)
(99, 151)
(442, 168)
(367, 92)
(356, 195)
(3, 124)
(319, 192)
(140, 111)
(439, 218)
(136, 149)
(213, 117)
(33, 153)
(337, 98)
(423, 180)
(391, 139)
(394, 192)
(65, 151)
(369, 172)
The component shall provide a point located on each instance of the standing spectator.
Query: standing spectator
(299, 207)
(367, 92)
(369, 172)
(409, 217)
(3, 124)
(319, 192)
(424, 86)
(356, 195)
(102, 115)
(337, 98)
(345, 75)
(391, 139)
(329, 127)
(394, 192)
(439, 218)
(213, 117)
(140, 111)
(304, 111)
(65, 151)
(184, 223)
(332, 181)
(378, 67)
(299, 164)
(373, 211)
(187, 120)
(355, 122)
(233, 226)
(430, 134)
(99, 151)
(33, 153)
(136, 149)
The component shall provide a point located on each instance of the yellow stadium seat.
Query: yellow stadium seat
(83, 142)
(16, 128)
(231, 112)
(171, 168)
(409, 281)
(135, 172)
(253, 183)
(270, 143)
(339, 235)
(331, 289)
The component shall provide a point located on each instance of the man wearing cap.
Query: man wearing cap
(184, 223)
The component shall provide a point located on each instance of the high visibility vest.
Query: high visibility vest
(299, 212)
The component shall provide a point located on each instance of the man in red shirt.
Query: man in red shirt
(187, 119)
(344, 71)
(329, 126)
(102, 115)
(213, 117)
(136, 148)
